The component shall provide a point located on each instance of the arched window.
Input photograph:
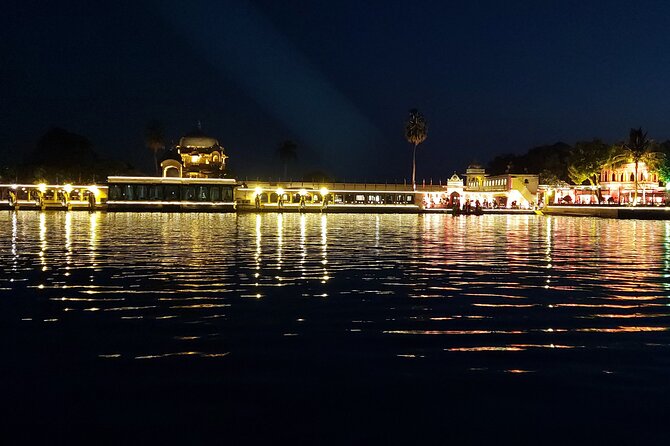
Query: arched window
(171, 172)
(613, 177)
(621, 178)
(632, 177)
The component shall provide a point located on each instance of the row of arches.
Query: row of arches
(627, 177)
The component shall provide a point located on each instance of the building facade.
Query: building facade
(196, 156)
(616, 187)
(509, 190)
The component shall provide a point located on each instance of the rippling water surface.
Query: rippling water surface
(304, 304)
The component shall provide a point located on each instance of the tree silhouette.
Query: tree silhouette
(287, 153)
(587, 160)
(154, 139)
(416, 132)
(63, 156)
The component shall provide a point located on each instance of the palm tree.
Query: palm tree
(637, 149)
(154, 139)
(287, 153)
(416, 131)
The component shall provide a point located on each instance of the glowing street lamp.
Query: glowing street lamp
(258, 191)
(67, 188)
(302, 192)
(323, 191)
(42, 187)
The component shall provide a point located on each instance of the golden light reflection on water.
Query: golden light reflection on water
(15, 232)
(68, 242)
(43, 240)
(425, 285)
(93, 238)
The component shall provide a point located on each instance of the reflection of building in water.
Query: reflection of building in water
(324, 247)
(43, 240)
(93, 239)
(196, 156)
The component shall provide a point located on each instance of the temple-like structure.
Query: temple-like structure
(196, 156)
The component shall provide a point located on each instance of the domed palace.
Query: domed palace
(196, 156)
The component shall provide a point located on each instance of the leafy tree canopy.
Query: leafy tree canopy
(587, 160)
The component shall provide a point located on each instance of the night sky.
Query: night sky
(337, 77)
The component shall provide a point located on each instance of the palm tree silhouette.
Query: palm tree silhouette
(637, 149)
(154, 139)
(287, 153)
(416, 131)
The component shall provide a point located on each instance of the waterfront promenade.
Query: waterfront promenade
(285, 197)
(609, 211)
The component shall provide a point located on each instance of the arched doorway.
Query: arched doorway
(172, 172)
(455, 199)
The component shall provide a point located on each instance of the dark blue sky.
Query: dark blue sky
(338, 77)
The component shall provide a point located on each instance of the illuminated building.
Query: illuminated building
(518, 191)
(192, 180)
(53, 196)
(333, 197)
(196, 156)
(509, 190)
(616, 187)
(171, 194)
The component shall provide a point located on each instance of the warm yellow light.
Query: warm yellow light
(258, 191)
(14, 186)
(67, 188)
(324, 191)
(94, 189)
(302, 192)
(42, 187)
(280, 191)
(195, 158)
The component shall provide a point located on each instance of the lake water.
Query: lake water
(342, 328)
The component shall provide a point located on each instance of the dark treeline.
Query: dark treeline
(60, 157)
(582, 162)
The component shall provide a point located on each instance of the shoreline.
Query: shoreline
(606, 211)
(613, 212)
